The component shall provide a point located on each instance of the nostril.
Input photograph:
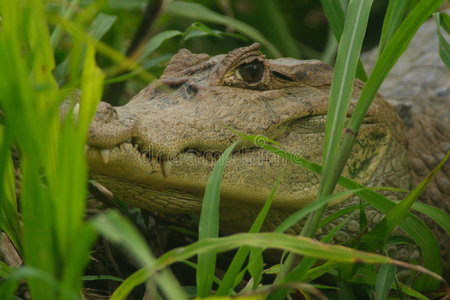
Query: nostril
(191, 89)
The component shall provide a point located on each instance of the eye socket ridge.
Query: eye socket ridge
(251, 72)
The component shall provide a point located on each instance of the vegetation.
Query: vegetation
(49, 49)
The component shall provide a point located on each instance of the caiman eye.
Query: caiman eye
(251, 72)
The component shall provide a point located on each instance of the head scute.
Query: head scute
(183, 65)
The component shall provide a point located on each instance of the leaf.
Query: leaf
(156, 41)
(199, 29)
(395, 14)
(121, 231)
(229, 279)
(101, 25)
(296, 244)
(117, 229)
(340, 95)
(443, 22)
(437, 215)
(393, 218)
(393, 50)
(384, 281)
(336, 17)
(303, 212)
(209, 223)
(412, 225)
(199, 12)
(278, 30)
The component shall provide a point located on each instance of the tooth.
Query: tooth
(166, 167)
(104, 153)
(86, 148)
(135, 146)
(76, 111)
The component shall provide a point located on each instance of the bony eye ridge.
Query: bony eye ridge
(251, 72)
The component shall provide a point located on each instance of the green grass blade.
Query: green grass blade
(156, 41)
(392, 219)
(384, 281)
(303, 212)
(304, 267)
(343, 78)
(239, 258)
(443, 22)
(412, 225)
(393, 50)
(135, 279)
(437, 215)
(124, 63)
(411, 292)
(119, 230)
(336, 17)
(9, 218)
(345, 291)
(209, 223)
(68, 14)
(101, 25)
(338, 214)
(296, 244)
(278, 29)
(395, 14)
(199, 12)
(340, 94)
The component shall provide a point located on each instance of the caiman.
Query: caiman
(157, 151)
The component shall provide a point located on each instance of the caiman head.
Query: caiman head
(158, 151)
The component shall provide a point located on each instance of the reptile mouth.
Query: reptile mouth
(138, 150)
(158, 162)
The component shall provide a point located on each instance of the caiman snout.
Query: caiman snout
(109, 128)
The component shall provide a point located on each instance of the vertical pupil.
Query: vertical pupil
(252, 72)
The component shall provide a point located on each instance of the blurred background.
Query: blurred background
(150, 31)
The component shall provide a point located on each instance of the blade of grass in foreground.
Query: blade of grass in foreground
(393, 50)
(296, 244)
(336, 17)
(209, 224)
(200, 13)
(395, 14)
(385, 279)
(235, 266)
(340, 95)
(119, 230)
(443, 22)
(412, 225)
(9, 217)
(392, 219)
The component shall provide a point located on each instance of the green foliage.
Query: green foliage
(443, 22)
(50, 49)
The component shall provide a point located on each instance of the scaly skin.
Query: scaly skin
(159, 149)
